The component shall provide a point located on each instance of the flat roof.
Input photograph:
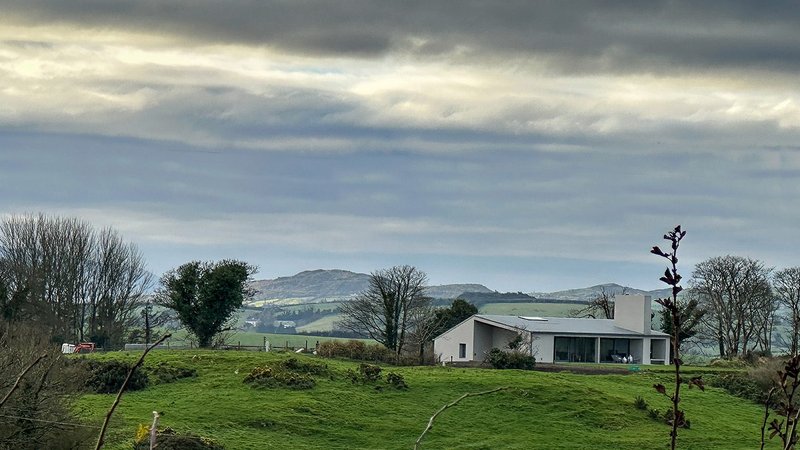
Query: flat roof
(565, 325)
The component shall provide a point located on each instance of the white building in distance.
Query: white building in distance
(627, 337)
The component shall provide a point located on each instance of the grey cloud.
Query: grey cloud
(589, 36)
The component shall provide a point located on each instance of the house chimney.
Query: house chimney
(632, 312)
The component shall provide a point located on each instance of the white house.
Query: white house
(562, 340)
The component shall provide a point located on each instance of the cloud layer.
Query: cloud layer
(554, 141)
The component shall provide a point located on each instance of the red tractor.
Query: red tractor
(84, 347)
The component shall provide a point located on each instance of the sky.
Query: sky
(528, 146)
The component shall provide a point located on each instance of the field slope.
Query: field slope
(541, 411)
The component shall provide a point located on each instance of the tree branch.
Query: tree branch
(20, 377)
(433, 417)
(122, 390)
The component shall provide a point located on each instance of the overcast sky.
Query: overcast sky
(528, 146)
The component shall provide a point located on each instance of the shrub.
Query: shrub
(271, 377)
(168, 439)
(640, 403)
(353, 349)
(740, 385)
(106, 377)
(500, 359)
(367, 373)
(654, 413)
(396, 381)
(728, 363)
(163, 372)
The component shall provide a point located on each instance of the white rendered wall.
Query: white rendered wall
(543, 347)
(632, 312)
(446, 345)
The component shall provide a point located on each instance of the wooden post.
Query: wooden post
(306, 344)
(264, 346)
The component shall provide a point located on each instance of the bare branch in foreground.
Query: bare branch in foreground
(433, 417)
(122, 389)
(20, 377)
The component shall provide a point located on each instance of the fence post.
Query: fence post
(240, 345)
(306, 345)
(286, 346)
(265, 343)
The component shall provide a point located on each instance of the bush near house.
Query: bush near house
(514, 359)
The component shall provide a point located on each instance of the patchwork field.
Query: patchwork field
(539, 410)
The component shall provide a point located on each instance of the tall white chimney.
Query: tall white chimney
(632, 312)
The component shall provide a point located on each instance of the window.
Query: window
(613, 350)
(462, 350)
(574, 349)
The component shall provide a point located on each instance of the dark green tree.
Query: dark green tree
(690, 314)
(458, 311)
(204, 295)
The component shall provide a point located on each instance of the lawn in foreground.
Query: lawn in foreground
(542, 410)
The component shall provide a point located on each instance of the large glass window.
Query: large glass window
(613, 350)
(574, 349)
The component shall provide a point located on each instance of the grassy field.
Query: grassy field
(540, 411)
(249, 338)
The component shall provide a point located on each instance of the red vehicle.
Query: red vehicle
(84, 347)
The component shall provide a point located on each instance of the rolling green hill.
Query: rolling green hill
(540, 410)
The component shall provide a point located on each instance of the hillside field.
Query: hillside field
(540, 410)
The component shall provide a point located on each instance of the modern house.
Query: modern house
(627, 337)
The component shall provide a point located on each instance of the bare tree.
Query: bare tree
(37, 408)
(66, 276)
(385, 310)
(426, 324)
(601, 306)
(786, 284)
(736, 293)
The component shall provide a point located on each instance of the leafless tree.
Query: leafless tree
(426, 324)
(786, 284)
(736, 293)
(37, 413)
(385, 310)
(64, 275)
(601, 306)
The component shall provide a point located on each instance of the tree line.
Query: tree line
(76, 283)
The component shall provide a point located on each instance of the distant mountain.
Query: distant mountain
(332, 285)
(589, 293)
(312, 285)
(450, 291)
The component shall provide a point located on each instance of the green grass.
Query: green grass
(541, 411)
(324, 324)
(250, 338)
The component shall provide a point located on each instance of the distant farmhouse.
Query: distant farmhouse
(625, 338)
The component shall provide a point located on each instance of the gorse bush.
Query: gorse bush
(290, 373)
(107, 377)
(272, 377)
(163, 372)
(500, 359)
(396, 380)
(367, 373)
(741, 385)
(353, 349)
